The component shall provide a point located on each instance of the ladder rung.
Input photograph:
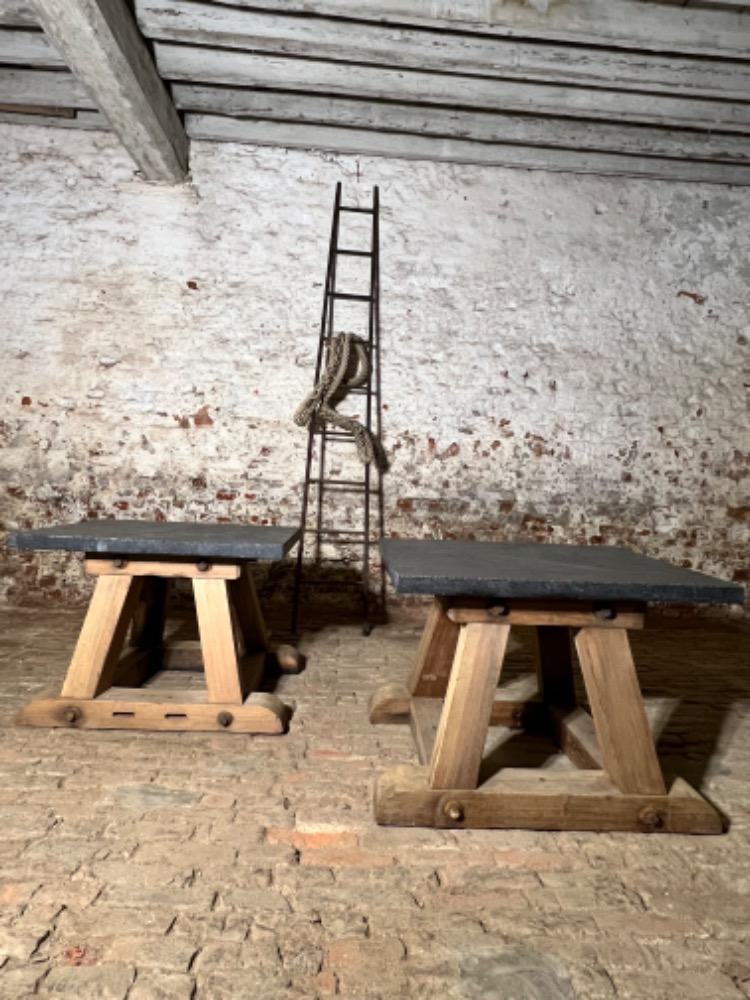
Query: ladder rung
(348, 295)
(342, 489)
(336, 532)
(335, 435)
(331, 584)
(339, 482)
(355, 208)
(355, 253)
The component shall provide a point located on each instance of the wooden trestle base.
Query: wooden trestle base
(103, 687)
(451, 699)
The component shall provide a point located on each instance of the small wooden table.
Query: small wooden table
(133, 563)
(482, 589)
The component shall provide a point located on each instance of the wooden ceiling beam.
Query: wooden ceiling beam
(718, 29)
(17, 13)
(104, 48)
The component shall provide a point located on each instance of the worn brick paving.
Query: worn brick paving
(172, 866)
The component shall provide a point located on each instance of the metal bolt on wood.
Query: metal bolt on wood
(204, 566)
(119, 563)
(650, 819)
(225, 719)
(605, 614)
(454, 811)
(72, 715)
(499, 610)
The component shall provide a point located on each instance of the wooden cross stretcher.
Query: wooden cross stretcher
(452, 698)
(121, 649)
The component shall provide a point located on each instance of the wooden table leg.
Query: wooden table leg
(247, 607)
(102, 636)
(145, 655)
(437, 648)
(555, 666)
(429, 674)
(150, 614)
(223, 683)
(622, 728)
(468, 706)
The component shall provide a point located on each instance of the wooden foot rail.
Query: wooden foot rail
(452, 698)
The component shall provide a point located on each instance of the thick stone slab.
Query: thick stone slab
(504, 570)
(212, 541)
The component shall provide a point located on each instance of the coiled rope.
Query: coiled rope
(347, 366)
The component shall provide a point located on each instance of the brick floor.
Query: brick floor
(155, 866)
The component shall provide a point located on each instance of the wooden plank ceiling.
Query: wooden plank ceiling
(647, 88)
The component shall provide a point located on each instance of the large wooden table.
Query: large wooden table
(481, 591)
(114, 677)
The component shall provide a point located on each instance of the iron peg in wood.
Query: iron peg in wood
(454, 811)
(605, 613)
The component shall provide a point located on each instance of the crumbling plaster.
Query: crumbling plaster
(565, 357)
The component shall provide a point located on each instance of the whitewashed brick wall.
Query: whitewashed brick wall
(565, 357)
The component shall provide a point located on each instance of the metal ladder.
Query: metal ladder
(370, 486)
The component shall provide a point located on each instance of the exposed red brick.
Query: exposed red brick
(312, 841)
(201, 417)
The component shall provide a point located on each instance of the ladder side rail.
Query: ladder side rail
(322, 440)
(327, 333)
(368, 416)
(332, 246)
(375, 360)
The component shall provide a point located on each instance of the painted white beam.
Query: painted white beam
(27, 48)
(248, 69)
(630, 24)
(482, 126)
(102, 45)
(17, 13)
(210, 24)
(421, 147)
(43, 88)
(55, 117)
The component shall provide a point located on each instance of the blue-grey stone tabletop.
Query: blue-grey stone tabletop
(165, 538)
(538, 570)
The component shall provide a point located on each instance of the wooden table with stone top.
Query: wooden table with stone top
(481, 590)
(117, 683)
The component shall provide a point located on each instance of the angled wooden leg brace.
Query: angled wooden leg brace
(452, 699)
(103, 687)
